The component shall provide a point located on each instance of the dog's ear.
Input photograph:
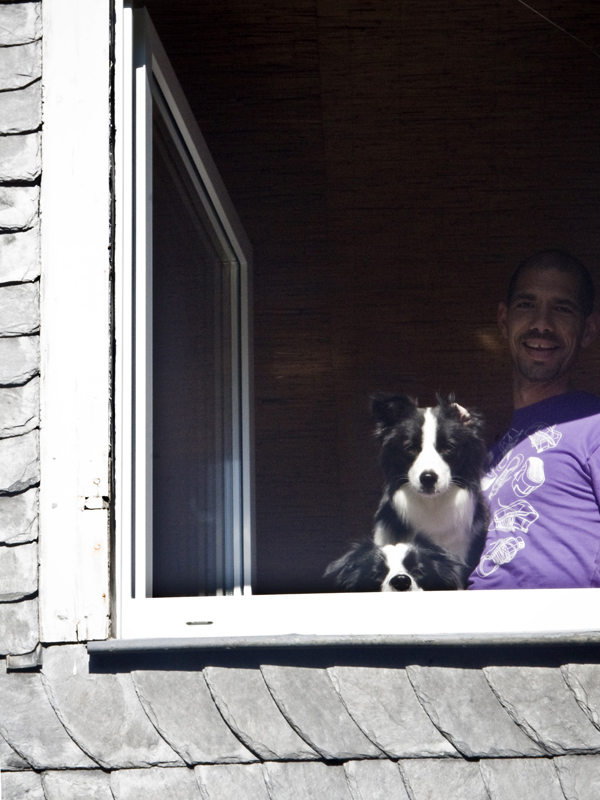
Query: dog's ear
(388, 409)
(362, 569)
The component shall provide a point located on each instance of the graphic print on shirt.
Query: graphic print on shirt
(543, 437)
(501, 552)
(529, 477)
(526, 475)
(514, 464)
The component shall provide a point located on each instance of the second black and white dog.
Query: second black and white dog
(432, 460)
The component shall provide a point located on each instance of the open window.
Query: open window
(183, 512)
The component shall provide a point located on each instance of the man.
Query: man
(543, 484)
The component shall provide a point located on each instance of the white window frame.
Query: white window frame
(75, 433)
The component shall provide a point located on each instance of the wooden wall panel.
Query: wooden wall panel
(392, 161)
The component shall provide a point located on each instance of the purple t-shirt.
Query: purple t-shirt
(543, 490)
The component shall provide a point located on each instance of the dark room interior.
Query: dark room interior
(391, 161)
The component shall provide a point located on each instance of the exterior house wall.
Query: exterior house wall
(404, 723)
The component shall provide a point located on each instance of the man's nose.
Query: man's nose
(543, 319)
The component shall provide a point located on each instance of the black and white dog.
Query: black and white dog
(432, 460)
(419, 565)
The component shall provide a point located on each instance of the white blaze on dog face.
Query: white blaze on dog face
(429, 460)
(395, 555)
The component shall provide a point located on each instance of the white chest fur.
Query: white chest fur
(446, 518)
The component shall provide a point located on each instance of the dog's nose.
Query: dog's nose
(428, 479)
(400, 583)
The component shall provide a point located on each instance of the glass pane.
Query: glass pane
(191, 341)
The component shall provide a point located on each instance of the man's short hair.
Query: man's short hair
(564, 262)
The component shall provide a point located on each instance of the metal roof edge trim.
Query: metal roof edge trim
(296, 641)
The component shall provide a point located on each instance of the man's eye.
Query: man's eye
(524, 304)
(565, 309)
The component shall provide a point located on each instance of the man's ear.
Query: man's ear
(502, 316)
(591, 328)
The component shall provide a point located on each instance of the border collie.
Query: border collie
(417, 566)
(432, 461)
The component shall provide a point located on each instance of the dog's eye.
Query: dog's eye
(447, 449)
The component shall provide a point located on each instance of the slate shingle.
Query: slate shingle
(18, 627)
(21, 110)
(19, 517)
(20, 23)
(155, 784)
(19, 409)
(30, 726)
(539, 700)
(246, 705)
(229, 781)
(102, 712)
(74, 784)
(20, 255)
(19, 462)
(584, 682)
(19, 207)
(579, 776)
(462, 705)
(19, 358)
(9, 759)
(306, 780)
(19, 309)
(182, 710)
(443, 779)
(20, 65)
(18, 571)
(21, 786)
(375, 780)
(310, 703)
(383, 704)
(521, 779)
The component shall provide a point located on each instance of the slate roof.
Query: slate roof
(278, 732)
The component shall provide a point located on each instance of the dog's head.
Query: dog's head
(428, 448)
(419, 565)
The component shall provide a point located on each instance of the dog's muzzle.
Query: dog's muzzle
(401, 583)
(428, 480)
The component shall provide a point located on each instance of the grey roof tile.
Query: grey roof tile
(539, 700)
(19, 462)
(19, 307)
(75, 784)
(521, 779)
(21, 110)
(310, 703)
(20, 23)
(20, 157)
(19, 517)
(229, 781)
(18, 627)
(182, 710)
(447, 779)
(20, 65)
(306, 780)
(20, 408)
(375, 780)
(21, 786)
(9, 759)
(155, 784)
(19, 356)
(248, 708)
(579, 776)
(18, 571)
(584, 681)
(462, 705)
(102, 712)
(20, 255)
(30, 726)
(383, 704)
(19, 207)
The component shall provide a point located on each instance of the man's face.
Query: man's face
(544, 324)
